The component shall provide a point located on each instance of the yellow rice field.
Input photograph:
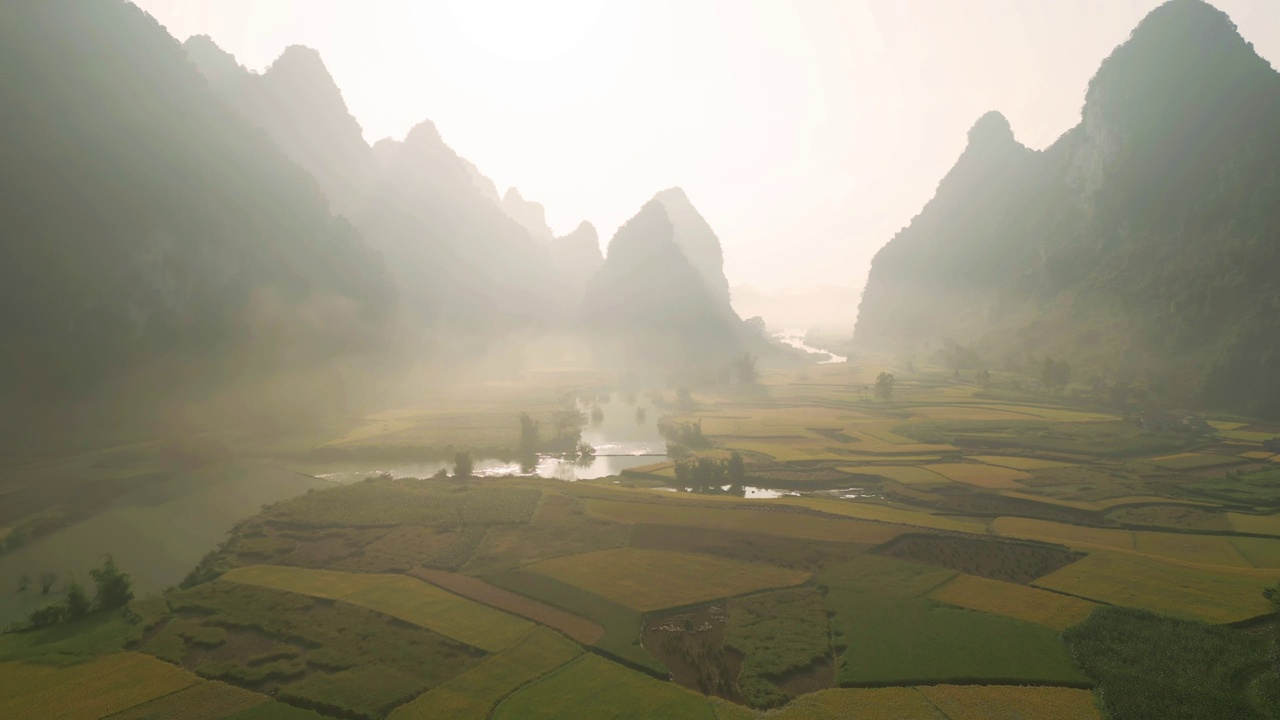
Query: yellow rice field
(1020, 602)
(891, 703)
(100, 688)
(988, 702)
(1224, 596)
(980, 475)
(399, 596)
(647, 580)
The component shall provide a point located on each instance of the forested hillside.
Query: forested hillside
(148, 226)
(1142, 245)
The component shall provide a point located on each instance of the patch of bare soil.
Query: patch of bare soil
(691, 645)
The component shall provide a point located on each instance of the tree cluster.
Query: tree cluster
(113, 590)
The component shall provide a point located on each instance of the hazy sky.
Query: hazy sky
(806, 131)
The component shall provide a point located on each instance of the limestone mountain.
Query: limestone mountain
(457, 257)
(1140, 245)
(696, 239)
(531, 215)
(148, 223)
(575, 258)
(653, 304)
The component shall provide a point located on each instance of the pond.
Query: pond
(796, 339)
(624, 434)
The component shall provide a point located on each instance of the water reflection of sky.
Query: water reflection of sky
(795, 338)
(621, 440)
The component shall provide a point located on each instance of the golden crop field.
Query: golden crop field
(1261, 552)
(1205, 549)
(655, 579)
(905, 474)
(891, 703)
(474, 694)
(675, 512)
(980, 474)
(871, 445)
(592, 687)
(406, 598)
(211, 700)
(1019, 602)
(969, 412)
(1224, 596)
(1260, 524)
(1019, 463)
(581, 629)
(1257, 454)
(1193, 461)
(99, 688)
(868, 511)
(1074, 536)
(991, 702)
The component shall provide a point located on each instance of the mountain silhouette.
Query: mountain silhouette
(1139, 245)
(151, 227)
(460, 262)
(654, 304)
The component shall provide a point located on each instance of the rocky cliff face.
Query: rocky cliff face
(1131, 245)
(531, 215)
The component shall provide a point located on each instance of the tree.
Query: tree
(47, 615)
(684, 399)
(528, 433)
(24, 583)
(984, 378)
(114, 587)
(77, 601)
(47, 580)
(745, 367)
(462, 465)
(737, 469)
(884, 385)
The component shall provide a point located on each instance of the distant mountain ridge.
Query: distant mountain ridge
(1139, 245)
(462, 262)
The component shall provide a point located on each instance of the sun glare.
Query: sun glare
(526, 31)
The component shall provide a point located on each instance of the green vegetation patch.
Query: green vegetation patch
(1106, 439)
(337, 634)
(794, 553)
(885, 631)
(406, 598)
(785, 643)
(474, 694)
(367, 691)
(621, 637)
(277, 711)
(593, 687)
(381, 502)
(1151, 666)
(73, 642)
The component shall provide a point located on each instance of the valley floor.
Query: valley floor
(954, 551)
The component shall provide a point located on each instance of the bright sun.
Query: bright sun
(526, 31)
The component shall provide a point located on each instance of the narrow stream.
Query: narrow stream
(795, 338)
